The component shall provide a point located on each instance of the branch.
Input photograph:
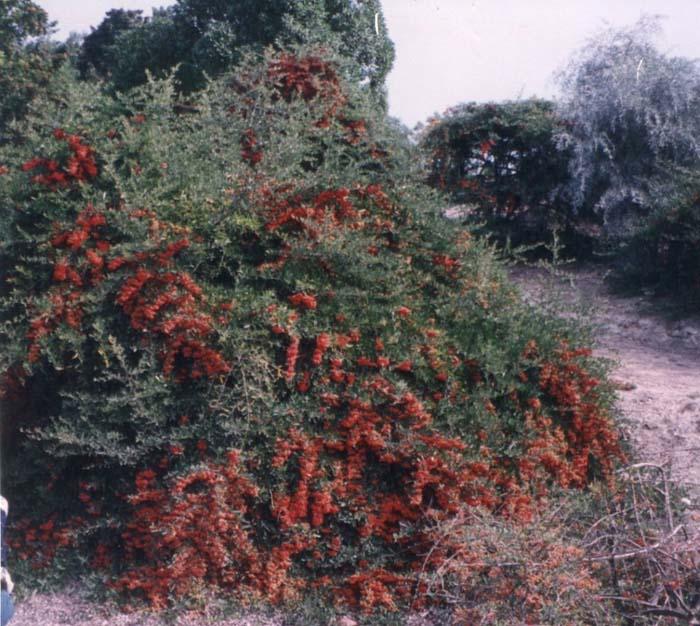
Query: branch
(645, 550)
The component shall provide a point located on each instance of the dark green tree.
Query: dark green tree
(209, 37)
(96, 51)
(25, 66)
(156, 46)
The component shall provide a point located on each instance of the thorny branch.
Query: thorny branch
(654, 558)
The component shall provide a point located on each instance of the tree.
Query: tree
(355, 29)
(96, 51)
(19, 21)
(155, 46)
(633, 112)
(25, 66)
(210, 37)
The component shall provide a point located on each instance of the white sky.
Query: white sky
(452, 51)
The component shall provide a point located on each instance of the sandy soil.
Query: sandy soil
(73, 608)
(657, 366)
(657, 363)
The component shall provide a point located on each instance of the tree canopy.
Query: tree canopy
(634, 112)
(210, 37)
(26, 62)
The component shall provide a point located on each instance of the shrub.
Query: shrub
(495, 571)
(645, 543)
(270, 366)
(502, 161)
(664, 255)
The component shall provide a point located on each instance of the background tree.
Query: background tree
(633, 113)
(155, 46)
(97, 47)
(212, 36)
(26, 64)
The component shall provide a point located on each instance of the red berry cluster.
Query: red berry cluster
(249, 152)
(309, 78)
(80, 167)
(78, 264)
(167, 305)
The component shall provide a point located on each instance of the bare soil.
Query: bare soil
(657, 366)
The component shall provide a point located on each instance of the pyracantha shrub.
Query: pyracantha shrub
(245, 353)
(501, 160)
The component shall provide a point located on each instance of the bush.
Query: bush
(495, 571)
(646, 546)
(501, 160)
(241, 351)
(664, 256)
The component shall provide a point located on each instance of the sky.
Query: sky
(453, 51)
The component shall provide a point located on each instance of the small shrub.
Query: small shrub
(646, 548)
(495, 571)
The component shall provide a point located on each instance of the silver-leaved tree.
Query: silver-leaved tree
(634, 118)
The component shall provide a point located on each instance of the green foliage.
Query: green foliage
(502, 161)
(156, 46)
(96, 50)
(19, 21)
(664, 255)
(25, 68)
(211, 37)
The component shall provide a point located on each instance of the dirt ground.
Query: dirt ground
(657, 366)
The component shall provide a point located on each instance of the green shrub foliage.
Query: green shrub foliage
(240, 350)
(501, 160)
(664, 255)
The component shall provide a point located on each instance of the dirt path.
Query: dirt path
(657, 362)
(73, 608)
